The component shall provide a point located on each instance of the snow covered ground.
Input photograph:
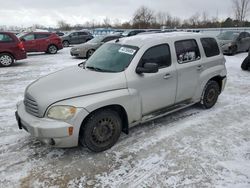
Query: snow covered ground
(190, 148)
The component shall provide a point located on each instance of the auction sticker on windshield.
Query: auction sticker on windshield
(126, 50)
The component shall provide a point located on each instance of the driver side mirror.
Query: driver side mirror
(148, 68)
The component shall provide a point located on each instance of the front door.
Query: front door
(156, 90)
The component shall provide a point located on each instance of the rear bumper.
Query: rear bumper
(20, 55)
(52, 132)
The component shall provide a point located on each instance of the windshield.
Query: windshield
(111, 58)
(228, 35)
(125, 33)
(97, 39)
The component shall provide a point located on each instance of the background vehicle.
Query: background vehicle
(41, 42)
(122, 84)
(59, 33)
(246, 63)
(87, 49)
(232, 42)
(129, 33)
(11, 49)
(76, 37)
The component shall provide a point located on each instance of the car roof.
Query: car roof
(139, 40)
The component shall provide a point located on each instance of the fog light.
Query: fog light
(70, 130)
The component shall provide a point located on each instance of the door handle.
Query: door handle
(199, 67)
(167, 76)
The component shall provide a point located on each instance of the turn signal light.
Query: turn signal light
(70, 130)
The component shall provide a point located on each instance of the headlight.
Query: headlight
(61, 112)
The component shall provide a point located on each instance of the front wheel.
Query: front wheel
(90, 53)
(101, 131)
(6, 60)
(65, 43)
(210, 94)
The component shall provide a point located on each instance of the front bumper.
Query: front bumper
(224, 81)
(52, 132)
(78, 53)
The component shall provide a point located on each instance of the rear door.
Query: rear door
(189, 67)
(82, 37)
(29, 42)
(42, 41)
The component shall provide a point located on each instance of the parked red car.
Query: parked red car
(41, 42)
(11, 49)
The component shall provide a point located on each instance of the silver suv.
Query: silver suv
(125, 82)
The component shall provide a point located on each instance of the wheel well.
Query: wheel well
(117, 108)
(52, 45)
(218, 79)
(9, 54)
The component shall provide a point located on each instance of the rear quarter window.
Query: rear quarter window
(5, 38)
(210, 47)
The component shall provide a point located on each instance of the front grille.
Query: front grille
(31, 105)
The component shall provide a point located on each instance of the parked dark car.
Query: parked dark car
(41, 42)
(246, 63)
(129, 33)
(76, 37)
(11, 49)
(87, 49)
(233, 42)
(60, 34)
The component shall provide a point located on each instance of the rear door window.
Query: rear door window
(42, 36)
(210, 47)
(5, 38)
(187, 51)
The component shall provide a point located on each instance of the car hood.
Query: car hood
(86, 46)
(72, 82)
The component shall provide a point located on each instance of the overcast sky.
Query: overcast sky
(48, 12)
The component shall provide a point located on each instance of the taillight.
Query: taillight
(20, 46)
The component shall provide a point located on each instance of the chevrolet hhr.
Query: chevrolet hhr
(124, 83)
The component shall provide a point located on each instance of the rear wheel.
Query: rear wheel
(101, 131)
(6, 60)
(52, 49)
(210, 94)
(65, 43)
(90, 53)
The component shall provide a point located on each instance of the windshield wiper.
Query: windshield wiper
(97, 69)
(81, 65)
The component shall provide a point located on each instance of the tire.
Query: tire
(90, 53)
(246, 63)
(52, 49)
(210, 94)
(101, 131)
(65, 43)
(6, 60)
(233, 51)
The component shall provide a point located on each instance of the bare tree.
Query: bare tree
(143, 18)
(106, 22)
(62, 25)
(241, 9)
